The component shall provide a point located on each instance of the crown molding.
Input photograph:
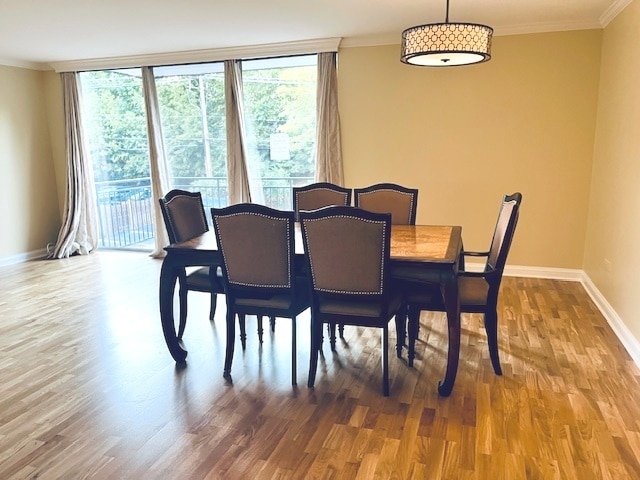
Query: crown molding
(372, 40)
(613, 11)
(395, 38)
(292, 48)
(534, 28)
(200, 56)
(6, 62)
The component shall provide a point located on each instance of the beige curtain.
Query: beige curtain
(79, 233)
(236, 147)
(328, 148)
(160, 182)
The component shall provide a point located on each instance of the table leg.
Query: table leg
(168, 277)
(452, 306)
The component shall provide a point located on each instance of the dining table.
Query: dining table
(426, 254)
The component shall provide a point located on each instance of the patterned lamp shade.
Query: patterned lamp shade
(446, 44)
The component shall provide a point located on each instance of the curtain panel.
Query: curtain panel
(329, 148)
(238, 177)
(160, 182)
(78, 234)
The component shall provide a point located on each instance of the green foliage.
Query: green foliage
(114, 116)
(192, 108)
(180, 99)
(282, 100)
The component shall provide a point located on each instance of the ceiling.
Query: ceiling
(35, 33)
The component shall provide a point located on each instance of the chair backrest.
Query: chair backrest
(318, 195)
(257, 246)
(503, 233)
(399, 201)
(183, 214)
(347, 250)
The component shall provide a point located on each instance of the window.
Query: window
(114, 118)
(280, 115)
(192, 110)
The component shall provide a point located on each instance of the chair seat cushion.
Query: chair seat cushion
(278, 301)
(198, 279)
(472, 290)
(419, 293)
(353, 307)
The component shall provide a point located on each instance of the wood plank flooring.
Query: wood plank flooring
(88, 390)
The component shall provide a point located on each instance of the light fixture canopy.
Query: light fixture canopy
(446, 44)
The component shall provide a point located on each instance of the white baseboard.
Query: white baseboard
(616, 323)
(570, 275)
(567, 274)
(625, 336)
(23, 257)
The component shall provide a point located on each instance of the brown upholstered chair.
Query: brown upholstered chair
(184, 218)
(259, 272)
(478, 291)
(401, 202)
(318, 195)
(347, 251)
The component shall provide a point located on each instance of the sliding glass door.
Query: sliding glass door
(279, 101)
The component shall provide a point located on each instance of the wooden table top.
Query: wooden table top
(409, 243)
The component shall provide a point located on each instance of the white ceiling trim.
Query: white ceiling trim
(546, 28)
(613, 11)
(23, 64)
(393, 39)
(200, 56)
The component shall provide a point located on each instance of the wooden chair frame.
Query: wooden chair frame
(386, 303)
(335, 192)
(246, 298)
(496, 257)
(205, 279)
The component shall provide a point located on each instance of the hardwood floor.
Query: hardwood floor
(88, 390)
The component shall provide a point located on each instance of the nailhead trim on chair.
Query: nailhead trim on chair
(363, 194)
(381, 258)
(170, 213)
(288, 284)
(344, 195)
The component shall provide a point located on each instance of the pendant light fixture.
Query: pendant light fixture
(446, 44)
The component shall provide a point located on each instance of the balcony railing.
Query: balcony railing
(125, 210)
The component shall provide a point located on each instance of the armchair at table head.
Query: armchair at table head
(401, 202)
(477, 291)
(258, 262)
(347, 251)
(184, 219)
(318, 195)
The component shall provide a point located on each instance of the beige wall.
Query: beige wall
(28, 192)
(614, 210)
(55, 116)
(524, 121)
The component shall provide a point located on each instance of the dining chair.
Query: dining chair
(477, 290)
(401, 202)
(318, 195)
(259, 271)
(347, 251)
(184, 219)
